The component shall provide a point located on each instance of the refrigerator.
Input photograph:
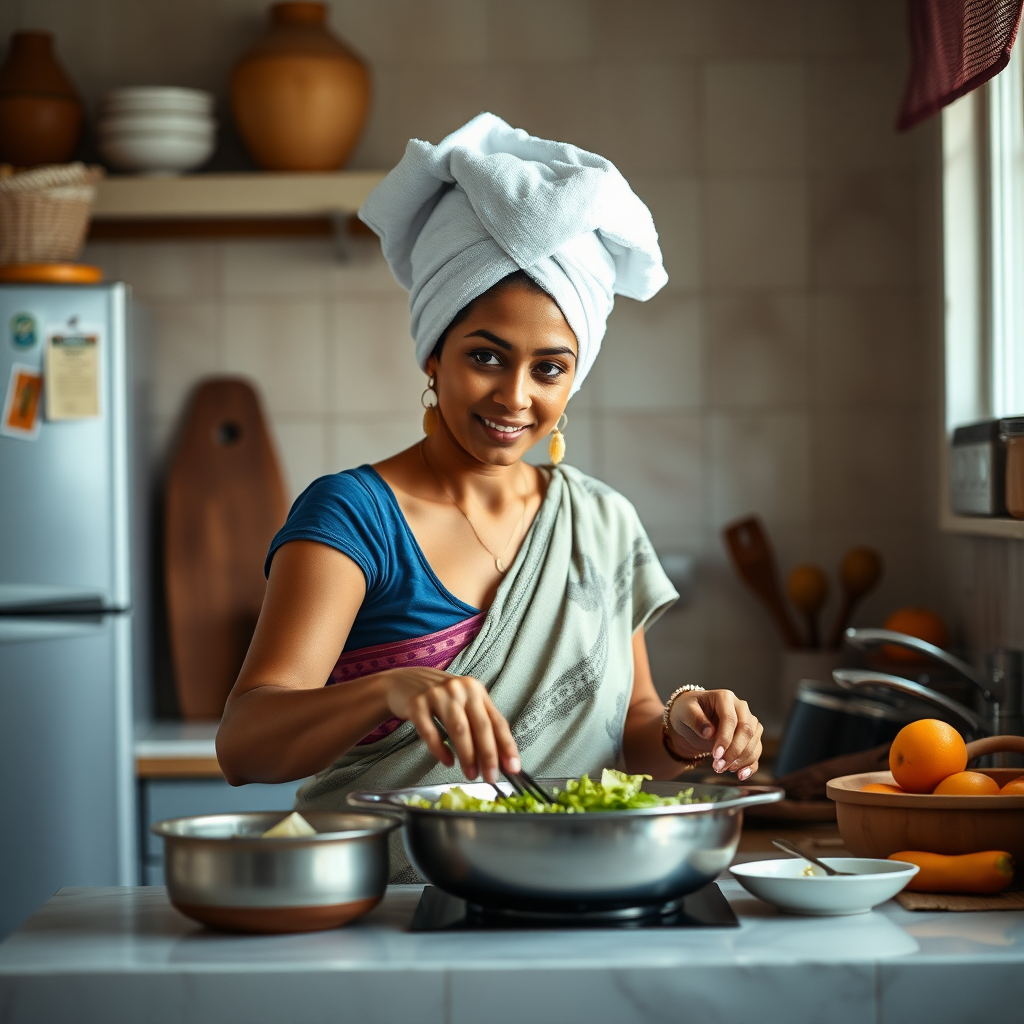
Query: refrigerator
(73, 636)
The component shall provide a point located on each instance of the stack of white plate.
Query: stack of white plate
(156, 129)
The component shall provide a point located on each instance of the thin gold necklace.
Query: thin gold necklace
(499, 564)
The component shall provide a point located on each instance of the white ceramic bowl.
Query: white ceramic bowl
(784, 884)
(126, 124)
(157, 153)
(148, 98)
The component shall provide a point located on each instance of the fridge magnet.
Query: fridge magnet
(21, 406)
(72, 368)
(24, 333)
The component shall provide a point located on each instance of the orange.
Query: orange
(924, 753)
(881, 787)
(967, 784)
(919, 622)
(1015, 787)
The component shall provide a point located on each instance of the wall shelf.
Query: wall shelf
(979, 526)
(228, 205)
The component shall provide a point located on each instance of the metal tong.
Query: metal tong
(526, 785)
(522, 781)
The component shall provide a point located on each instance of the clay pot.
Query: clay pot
(300, 96)
(40, 112)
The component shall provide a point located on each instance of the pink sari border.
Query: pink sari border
(435, 650)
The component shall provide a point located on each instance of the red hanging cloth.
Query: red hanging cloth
(955, 46)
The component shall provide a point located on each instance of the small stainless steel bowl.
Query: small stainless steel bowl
(222, 872)
(601, 861)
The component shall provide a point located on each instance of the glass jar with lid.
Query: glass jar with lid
(1012, 431)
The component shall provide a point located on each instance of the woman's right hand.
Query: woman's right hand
(476, 728)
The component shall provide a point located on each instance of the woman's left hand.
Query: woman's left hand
(717, 721)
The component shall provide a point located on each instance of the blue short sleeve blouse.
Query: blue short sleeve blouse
(356, 512)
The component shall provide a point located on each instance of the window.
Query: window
(983, 233)
(983, 266)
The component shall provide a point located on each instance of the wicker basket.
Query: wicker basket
(44, 213)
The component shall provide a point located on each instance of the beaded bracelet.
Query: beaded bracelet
(666, 729)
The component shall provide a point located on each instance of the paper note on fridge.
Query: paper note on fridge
(21, 405)
(72, 371)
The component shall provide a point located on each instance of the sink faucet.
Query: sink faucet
(1001, 690)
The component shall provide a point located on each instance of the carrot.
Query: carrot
(988, 872)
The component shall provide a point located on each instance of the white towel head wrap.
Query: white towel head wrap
(456, 218)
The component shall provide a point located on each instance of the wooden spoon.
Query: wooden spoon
(807, 587)
(752, 558)
(859, 573)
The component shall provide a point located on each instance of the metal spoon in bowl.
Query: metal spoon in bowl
(792, 848)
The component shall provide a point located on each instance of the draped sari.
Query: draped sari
(554, 651)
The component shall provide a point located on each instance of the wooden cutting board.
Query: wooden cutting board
(224, 501)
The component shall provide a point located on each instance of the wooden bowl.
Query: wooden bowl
(878, 824)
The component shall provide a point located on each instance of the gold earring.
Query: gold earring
(429, 411)
(557, 447)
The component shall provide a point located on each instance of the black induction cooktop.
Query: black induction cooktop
(437, 911)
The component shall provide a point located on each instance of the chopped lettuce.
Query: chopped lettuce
(616, 791)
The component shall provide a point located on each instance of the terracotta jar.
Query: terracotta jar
(40, 112)
(300, 96)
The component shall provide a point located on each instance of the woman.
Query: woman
(455, 581)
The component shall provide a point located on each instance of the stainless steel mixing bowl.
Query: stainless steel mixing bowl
(222, 872)
(600, 861)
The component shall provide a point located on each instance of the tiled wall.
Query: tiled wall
(986, 580)
(789, 368)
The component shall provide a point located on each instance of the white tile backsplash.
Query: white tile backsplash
(755, 232)
(302, 450)
(261, 269)
(869, 349)
(851, 115)
(373, 368)
(416, 31)
(760, 461)
(172, 270)
(863, 230)
(187, 346)
(758, 353)
(788, 369)
(860, 28)
(538, 30)
(283, 347)
(648, 121)
(355, 440)
(752, 28)
(754, 116)
(645, 29)
(675, 203)
(651, 355)
(870, 467)
(655, 460)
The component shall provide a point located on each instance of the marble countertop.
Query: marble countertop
(125, 955)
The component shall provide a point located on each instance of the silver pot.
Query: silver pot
(222, 872)
(600, 861)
